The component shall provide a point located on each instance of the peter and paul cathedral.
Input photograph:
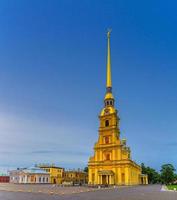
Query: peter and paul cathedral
(112, 163)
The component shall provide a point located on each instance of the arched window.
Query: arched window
(107, 140)
(107, 123)
(108, 156)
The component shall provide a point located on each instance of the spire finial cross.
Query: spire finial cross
(109, 32)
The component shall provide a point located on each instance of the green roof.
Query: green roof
(3, 174)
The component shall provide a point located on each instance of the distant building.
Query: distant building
(75, 177)
(4, 178)
(15, 175)
(31, 175)
(56, 173)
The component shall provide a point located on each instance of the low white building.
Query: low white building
(31, 175)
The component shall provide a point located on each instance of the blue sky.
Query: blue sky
(53, 71)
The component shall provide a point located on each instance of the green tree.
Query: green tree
(86, 169)
(167, 173)
(153, 175)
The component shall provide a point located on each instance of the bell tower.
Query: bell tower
(111, 163)
(109, 121)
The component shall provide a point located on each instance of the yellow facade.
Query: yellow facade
(56, 173)
(111, 163)
(76, 177)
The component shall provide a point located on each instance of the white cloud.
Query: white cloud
(24, 141)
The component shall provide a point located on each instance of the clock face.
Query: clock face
(106, 111)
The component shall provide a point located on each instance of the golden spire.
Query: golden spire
(108, 81)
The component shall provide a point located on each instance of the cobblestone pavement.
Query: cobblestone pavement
(150, 192)
(47, 189)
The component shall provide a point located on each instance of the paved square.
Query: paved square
(49, 192)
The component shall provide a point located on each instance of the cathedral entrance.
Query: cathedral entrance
(106, 177)
(104, 180)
